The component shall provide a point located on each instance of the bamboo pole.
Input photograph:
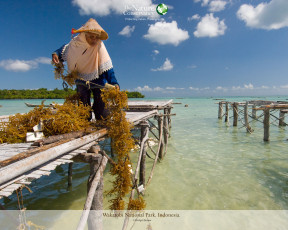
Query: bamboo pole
(254, 112)
(227, 112)
(248, 128)
(281, 118)
(220, 110)
(18, 168)
(95, 177)
(235, 113)
(158, 151)
(166, 133)
(144, 133)
(70, 168)
(266, 124)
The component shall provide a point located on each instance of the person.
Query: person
(86, 54)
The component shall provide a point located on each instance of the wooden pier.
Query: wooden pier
(22, 163)
(241, 113)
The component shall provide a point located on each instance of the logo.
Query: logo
(162, 9)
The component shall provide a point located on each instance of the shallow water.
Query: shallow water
(209, 165)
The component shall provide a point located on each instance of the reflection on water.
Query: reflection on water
(209, 165)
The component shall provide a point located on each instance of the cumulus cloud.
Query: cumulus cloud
(143, 8)
(213, 5)
(272, 15)
(146, 88)
(167, 65)
(165, 33)
(249, 86)
(174, 88)
(127, 31)
(210, 26)
(156, 52)
(23, 65)
(194, 17)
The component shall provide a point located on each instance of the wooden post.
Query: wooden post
(220, 110)
(235, 113)
(248, 128)
(160, 130)
(254, 112)
(94, 199)
(160, 148)
(70, 168)
(144, 133)
(95, 221)
(227, 112)
(281, 118)
(165, 132)
(169, 118)
(266, 124)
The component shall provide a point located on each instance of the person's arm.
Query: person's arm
(110, 77)
(57, 55)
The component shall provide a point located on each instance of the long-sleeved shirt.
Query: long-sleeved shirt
(106, 77)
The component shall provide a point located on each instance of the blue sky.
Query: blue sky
(199, 48)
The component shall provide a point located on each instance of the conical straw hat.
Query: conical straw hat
(93, 27)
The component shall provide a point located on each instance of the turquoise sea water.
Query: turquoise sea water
(209, 165)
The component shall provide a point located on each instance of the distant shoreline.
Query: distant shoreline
(43, 93)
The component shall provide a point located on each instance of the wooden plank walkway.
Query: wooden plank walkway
(7, 187)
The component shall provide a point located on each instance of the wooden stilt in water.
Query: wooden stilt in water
(166, 133)
(94, 199)
(161, 143)
(254, 112)
(248, 128)
(227, 112)
(281, 118)
(70, 169)
(144, 133)
(266, 124)
(235, 113)
(220, 110)
(169, 118)
(158, 150)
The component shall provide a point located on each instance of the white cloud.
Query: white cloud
(167, 65)
(156, 52)
(284, 86)
(209, 26)
(165, 33)
(194, 17)
(146, 88)
(272, 15)
(217, 5)
(43, 60)
(125, 7)
(193, 88)
(249, 86)
(22, 65)
(174, 88)
(127, 31)
(213, 5)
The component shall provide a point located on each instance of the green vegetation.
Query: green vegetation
(43, 93)
(135, 95)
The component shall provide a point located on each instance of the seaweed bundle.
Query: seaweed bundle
(64, 119)
(119, 129)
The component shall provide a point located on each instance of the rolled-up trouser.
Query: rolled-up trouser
(98, 105)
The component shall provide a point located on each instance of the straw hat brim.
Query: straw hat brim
(101, 33)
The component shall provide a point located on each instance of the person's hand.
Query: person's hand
(117, 86)
(55, 58)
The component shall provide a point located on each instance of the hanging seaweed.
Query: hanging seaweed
(66, 118)
(59, 73)
(119, 131)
